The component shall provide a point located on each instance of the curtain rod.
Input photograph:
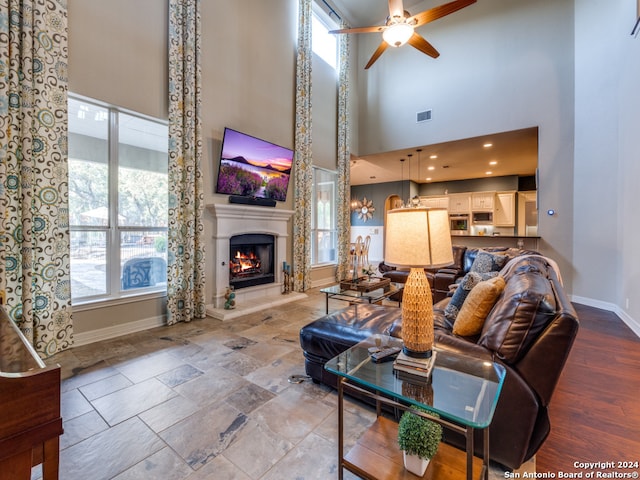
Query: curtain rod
(331, 10)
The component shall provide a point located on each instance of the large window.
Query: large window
(323, 43)
(118, 197)
(323, 219)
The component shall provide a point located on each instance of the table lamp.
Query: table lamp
(417, 238)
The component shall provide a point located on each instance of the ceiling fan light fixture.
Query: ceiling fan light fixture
(397, 34)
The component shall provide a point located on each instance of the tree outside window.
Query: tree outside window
(118, 197)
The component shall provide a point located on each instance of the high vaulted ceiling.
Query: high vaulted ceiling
(515, 152)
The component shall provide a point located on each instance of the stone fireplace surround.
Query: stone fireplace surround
(237, 219)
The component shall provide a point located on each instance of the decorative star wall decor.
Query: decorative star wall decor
(365, 209)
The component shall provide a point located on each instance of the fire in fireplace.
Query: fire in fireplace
(245, 264)
(252, 260)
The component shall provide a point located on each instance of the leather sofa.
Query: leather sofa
(529, 330)
(441, 278)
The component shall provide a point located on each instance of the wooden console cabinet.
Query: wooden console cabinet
(30, 421)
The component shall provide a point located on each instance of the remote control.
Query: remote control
(385, 355)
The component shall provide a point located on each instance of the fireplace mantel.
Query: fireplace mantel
(231, 217)
(238, 219)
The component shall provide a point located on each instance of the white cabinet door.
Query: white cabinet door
(434, 202)
(482, 201)
(459, 203)
(504, 214)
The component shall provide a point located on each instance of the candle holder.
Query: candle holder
(288, 280)
(286, 287)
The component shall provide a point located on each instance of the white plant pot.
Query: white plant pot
(415, 464)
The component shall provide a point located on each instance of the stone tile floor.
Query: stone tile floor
(203, 400)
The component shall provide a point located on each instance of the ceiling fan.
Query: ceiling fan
(400, 25)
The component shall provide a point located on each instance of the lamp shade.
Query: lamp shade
(418, 237)
(397, 34)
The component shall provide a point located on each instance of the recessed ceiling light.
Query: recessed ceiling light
(488, 173)
(431, 167)
(487, 145)
(493, 162)
(428, 179)
(433, 156)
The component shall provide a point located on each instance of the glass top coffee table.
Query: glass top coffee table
(462, 390)
(353, 295)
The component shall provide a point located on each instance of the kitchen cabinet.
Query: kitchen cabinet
(504, 214)
(459, 203)
(435, 202)
(482, 201)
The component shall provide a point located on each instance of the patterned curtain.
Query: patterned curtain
(303, 175)
(185, 269)
(344, 160)
(34, 199)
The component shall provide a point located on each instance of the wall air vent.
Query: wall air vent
(423, 116)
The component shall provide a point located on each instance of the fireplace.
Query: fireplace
(251, 260)
(231, 221)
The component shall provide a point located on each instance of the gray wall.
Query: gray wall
(606, 225)
(379, 192)
(503, 66)
(570, 67)
(628, 217)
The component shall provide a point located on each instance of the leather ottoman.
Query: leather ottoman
(328, 336)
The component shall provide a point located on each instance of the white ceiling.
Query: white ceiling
(515, 152)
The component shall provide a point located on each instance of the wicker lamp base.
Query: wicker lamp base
(417, 315)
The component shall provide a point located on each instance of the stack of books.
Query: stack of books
(420, 367)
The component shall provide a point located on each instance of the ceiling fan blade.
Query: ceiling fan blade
(421, 44)
(360, 30)
(381, 48)
(438, 12)
(396, 8)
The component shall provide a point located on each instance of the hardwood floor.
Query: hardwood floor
(595, 412)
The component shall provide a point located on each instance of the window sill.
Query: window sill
(110, 302)
(323, 265)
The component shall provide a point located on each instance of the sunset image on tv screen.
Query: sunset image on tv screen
(252, 167)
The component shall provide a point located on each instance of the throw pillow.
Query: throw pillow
(477, 306)
(469, 281)
(488, 262)
(525, 308)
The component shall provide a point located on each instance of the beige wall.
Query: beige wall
(118, 54)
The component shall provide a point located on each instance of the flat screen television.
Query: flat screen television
(251, 167)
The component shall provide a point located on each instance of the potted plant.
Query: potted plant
(419, 439)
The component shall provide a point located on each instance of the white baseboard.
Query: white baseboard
(323, 282)
(632, 323)
(107, 333)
